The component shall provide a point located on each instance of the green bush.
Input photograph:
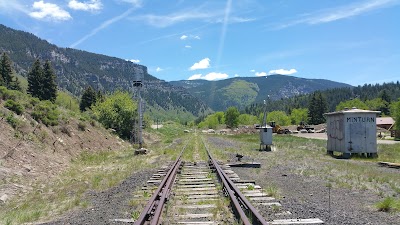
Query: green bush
(388, 204)
(14, 106)
(67, 101)
(46, 112)
(6, 94)
(117, 112)
(13, 121)
(82, 126)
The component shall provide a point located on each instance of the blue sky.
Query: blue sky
(354, 42)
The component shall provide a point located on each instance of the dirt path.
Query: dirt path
(323, 136)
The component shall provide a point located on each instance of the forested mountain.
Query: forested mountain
(333, 97)
(76, 69)
(243, 91)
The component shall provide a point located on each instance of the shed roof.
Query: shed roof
(384, 120)
(353, 110)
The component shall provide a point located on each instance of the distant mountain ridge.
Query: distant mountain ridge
(76, 69)
(243, 91)
(178, 100)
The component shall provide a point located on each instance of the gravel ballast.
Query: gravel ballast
(308, 196)
(108, 205)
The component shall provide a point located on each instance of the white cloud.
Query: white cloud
(252, 71)
(236, 75)
(347, 11)
(282, 71)
(261, 74)
(195, 77)
(216, 76)
(186, 37)
(133, 60)
(210, 76)
(92, 5)
(49, 11)
(159, 69)
(188, 46)
(203, 64)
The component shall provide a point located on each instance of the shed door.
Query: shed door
(357, 137)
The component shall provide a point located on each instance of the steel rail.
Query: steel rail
(240, 202)
(152, 212)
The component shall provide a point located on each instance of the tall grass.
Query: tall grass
(90, 171)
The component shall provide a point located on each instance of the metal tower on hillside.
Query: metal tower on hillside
(138, 125)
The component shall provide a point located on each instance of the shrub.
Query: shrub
(385, 205)
(117, 112)
(6, 94)
(81, 126)
(13, 121)
(46, 112)
(66, 130)
(14, 106)
(67, 101)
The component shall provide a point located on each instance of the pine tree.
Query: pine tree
(385, 96)
(1, 80)
(317, 108)
(35, 80)
(100, 97)
(5, 70)
(89, 98)
(15, 85)
(49, 83)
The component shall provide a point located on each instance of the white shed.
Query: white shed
(265, 137)
(352, 132)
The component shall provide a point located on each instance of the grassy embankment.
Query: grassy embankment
(89, 171)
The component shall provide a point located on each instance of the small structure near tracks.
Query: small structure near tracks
(352, 132)
(265, 132)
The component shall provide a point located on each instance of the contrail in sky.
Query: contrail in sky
(223, 33)
(102, 26)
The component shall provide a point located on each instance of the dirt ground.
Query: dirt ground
(34, 153)
(307, 195)
(323, 136)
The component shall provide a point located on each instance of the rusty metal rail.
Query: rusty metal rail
(242, 208)
(240, 205)
(153, 210)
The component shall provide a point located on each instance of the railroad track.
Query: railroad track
(206, 192)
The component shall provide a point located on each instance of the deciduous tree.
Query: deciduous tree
(118, 111)
(279, 117)
(299, 115)
(231, 117)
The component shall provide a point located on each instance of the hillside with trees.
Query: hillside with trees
(379, 97)
(75, 70)
(243, 91)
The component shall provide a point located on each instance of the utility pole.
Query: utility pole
(137, 127)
